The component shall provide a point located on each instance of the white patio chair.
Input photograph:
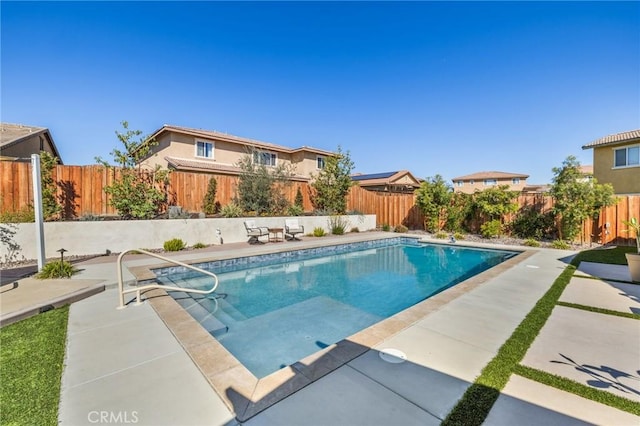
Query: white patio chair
(254, 232)
(292, 228)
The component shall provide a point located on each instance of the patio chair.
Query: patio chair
(292, 228)
(254, 232)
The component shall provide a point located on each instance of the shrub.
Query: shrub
(57, 269)
(530, 242)
(199, 245)
(459, 236)
(386, 227)
(337, 224)
(25, 215)
(231, 210)
(355, 229)
(560, 245)
(175, 244)
(529, 223)
(295, 210)
(401, 229)
(491, 229)
(318, 232)
(441, 235)
(209, 205)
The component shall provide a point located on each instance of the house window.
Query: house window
(625, 157)
(471, 182)
(266, 158)
(490, 182)
(320, 162)
(515, 181)
(459, 183)
(204, 149)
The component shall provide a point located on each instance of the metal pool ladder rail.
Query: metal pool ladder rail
(138, 290)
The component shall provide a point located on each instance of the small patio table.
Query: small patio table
(276, 235)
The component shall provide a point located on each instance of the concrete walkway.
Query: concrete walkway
(127, 363)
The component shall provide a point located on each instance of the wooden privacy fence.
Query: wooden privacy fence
(80, 190)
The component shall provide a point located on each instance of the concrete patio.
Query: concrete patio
(129, 362)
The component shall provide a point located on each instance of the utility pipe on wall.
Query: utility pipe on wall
(37, 203)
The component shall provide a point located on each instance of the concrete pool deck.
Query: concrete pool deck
(128, 362)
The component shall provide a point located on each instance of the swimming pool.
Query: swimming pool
(273, 310)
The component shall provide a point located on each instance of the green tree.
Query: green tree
(136, 192)
(261, 187)
(209, 204)
(331, 185)
(50, 206)
(495, 202)
(459, 210)
(299, 201)
(434, 198)
(576, 199)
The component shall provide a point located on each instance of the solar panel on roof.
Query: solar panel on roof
(373, 176)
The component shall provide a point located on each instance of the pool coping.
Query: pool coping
(243, 393)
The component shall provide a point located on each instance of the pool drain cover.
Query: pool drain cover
(394, 356)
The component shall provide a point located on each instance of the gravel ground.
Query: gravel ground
(509, 241)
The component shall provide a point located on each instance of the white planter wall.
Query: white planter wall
(96, 237)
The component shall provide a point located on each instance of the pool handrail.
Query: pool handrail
(139, 289)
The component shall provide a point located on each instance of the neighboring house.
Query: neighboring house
(208, 151)
(616, 160)
(399, 181)
(587, 173)
(483, 180)
(18, 142)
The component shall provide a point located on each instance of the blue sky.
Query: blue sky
(445, 88)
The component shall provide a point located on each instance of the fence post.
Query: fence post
(37, 207)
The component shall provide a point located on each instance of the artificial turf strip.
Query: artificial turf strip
(610, 255)
(31, 360)
(579, 389)
(475, 404)
(601, 310)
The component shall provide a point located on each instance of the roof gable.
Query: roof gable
(13, 134)
(402, 177)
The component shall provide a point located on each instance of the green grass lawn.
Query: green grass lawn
(475, 404)
(31, 360)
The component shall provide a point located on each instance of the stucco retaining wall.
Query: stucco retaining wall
(96, 237)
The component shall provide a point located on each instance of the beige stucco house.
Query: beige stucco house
(18, 142)
(209, 151)
(398, 181)
(483, 180)
(616, 160)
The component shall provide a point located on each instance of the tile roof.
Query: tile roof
(213, 134)
(386, 178)
(208, 166)
(14, 133)
(614, 139)
(490, 175)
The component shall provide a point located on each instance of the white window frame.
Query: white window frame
(320, 159)
(459, 183)
(626, 155)
(273, 157)
(472, 182)
(490, 182)
(205, 143)
(515, 181)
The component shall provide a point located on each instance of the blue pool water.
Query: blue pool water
(273, 313)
